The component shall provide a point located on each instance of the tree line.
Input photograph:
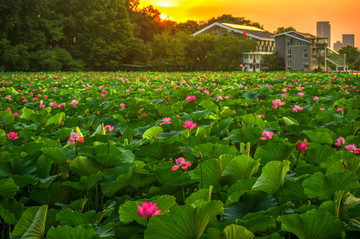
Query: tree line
(100, 35)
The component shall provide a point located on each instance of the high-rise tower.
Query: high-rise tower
(348, 39)
(323, 30)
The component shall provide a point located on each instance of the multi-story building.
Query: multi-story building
(348, 39)
(338, 45)
(323, 31)
(301, 51)
(265, 43)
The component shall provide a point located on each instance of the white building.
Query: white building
(252, 61)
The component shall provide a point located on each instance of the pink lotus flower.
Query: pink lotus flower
(316, 98)
(339, 141)
(42, 106)
(302, 146)
(75, 138)
(61, 106)
(143, 114)
(321, 109)
(260, 116)
(267, 135)
(219, 98)
(189, 124)
(340, 110)
(108, 128)
(53, 104)
(74, 102)
(148, 209)
(35, 99)
(180, 162)
(122, 105)
(166, 120)
(12, 136)
(8, 109)
(190, 98)
(352, 148)
(297, 108)
(16, 114)
(277, 103)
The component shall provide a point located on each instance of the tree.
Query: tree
(168, 49)
(228, 18)
(284, 29)
(189, 27)
(103, 29)
(352, 55)
(273, 62)
(198, 48)
(227, 53)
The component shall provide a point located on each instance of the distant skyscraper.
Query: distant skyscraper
(348, 39)
(323, 30)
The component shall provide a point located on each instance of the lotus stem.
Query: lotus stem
(182, 186)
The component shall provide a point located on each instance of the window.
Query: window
(251, 57)
(257, 56)
(289, 51)
(306, 53)
(306, 62)
(289, 64)
(257, 66)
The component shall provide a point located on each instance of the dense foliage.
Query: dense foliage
(72, 35)
(180, 155)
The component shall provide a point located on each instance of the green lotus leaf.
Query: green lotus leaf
(209, 150)
(258, 222)
(8, 187)
(251, 201)
(272, 176)
(208, 104)
(214, 169)
(274, 151)
(201, 194)
(152, 133)
(31, 223)
(320, 137)
(324, 187)
(79, 232)
(84, 166)
(183, 222)
(313, 224)
(240, 167)
(56, 119)
(74, 218)
(316, 154)
(234, 231)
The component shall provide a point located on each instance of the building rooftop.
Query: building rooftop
(251, 31)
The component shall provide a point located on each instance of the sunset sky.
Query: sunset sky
(343, 15)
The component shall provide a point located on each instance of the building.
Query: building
(348, 39)
(301, 51)
(323, 31)
(338, 45)
(252, 61)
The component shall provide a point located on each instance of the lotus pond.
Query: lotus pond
(179, 155)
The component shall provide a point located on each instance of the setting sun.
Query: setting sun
(342, 14)
(163, 16)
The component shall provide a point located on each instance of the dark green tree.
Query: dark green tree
(227, 53)
(103, 29)
(168, 49)
(228, 18)
(198, 48)
(273, 62)
(284, 29)
(352, 55)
